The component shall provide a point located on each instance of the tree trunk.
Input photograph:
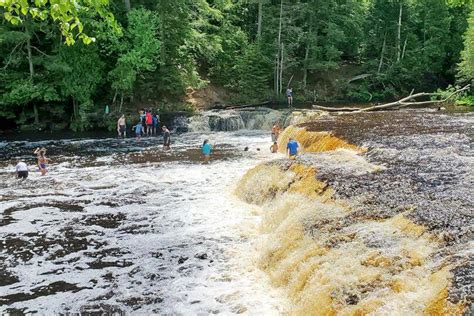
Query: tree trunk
(121, 103)
(382, 53)
(278, 66)
(399, 32)
(127, 5)
(74, 108)
(404, 47)
(259, 25)
(306, 57)
(404, 102)
(280, 88)
(31, 67)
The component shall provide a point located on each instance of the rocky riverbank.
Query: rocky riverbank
(376, 216)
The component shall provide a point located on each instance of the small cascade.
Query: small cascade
(248, 118)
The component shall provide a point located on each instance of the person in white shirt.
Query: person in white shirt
(21, 170)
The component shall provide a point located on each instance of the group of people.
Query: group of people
(22, 170)
(292, 147)
(148, 125)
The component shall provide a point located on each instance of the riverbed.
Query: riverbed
(124, 227)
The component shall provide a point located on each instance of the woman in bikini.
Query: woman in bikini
(42, 160)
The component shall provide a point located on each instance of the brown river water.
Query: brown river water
(121, 227)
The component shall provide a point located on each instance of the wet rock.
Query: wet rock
(202, 256)
(182, 259)
(105, 220)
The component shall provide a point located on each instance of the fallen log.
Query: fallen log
(404, 102)
(329, 109)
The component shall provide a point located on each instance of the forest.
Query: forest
(63, 62)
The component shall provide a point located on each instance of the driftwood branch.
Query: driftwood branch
(404, 102)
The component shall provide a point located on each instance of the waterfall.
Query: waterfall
(248, 118)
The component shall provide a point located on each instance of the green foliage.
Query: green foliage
(66, 13)
(253, 69)
(81, 76)
(466, 66)
(138, 50)
(168, 47)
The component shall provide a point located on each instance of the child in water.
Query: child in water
(138, 130)
(274, 148)
(42, 160)
(206, 150)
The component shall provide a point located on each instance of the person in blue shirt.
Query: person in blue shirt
(292, 148)
(138, 130)
(155, 124)
(206, 150)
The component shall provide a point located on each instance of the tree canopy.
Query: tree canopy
(63, 61)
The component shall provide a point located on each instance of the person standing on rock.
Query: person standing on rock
(122, 127)
(166, 138)
(289, 96)
(149, 122)
(292, 148)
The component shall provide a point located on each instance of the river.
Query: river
(123, 227)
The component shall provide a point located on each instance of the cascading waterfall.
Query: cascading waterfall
(250, 118)
(344, 235)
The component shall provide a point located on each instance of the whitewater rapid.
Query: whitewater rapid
(122, 227)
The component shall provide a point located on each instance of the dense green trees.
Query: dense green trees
(62, 61)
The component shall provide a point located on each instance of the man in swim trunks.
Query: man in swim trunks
(21, 170)
(122, 127)
(275, 132)
(166, 138)
(292, 148)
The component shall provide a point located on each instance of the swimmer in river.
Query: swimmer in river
(292, 148)
(274, 148)
(42, 160)
(206, 150)
(21, 170)
(166, 138)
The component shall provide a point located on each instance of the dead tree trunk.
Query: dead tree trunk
(382, 53)
(399, 32)
(277, 70)
(31, 67)
(127, 5)
(404, 102)
(260, 13)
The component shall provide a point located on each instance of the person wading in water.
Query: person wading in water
(42, 160)
(166, 138)
(292, 148)
(275, 132)
(206, 150)
(21, 170)
(122, 127)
